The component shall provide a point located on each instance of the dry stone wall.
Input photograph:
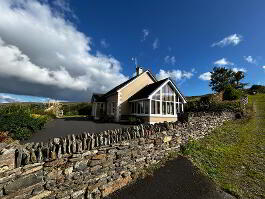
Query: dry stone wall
(94, 165)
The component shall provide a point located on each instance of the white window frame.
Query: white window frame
(177, 103)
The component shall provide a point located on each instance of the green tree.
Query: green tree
(221, 77)
(238, 77)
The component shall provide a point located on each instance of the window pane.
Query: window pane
(164, 108)
(141, 107)
(146, 107)
(168, 107)
(164, 93)
(138, 108)
(172, 108)
(157, 107)
(177, 107)
(153, 107)
(156, 96)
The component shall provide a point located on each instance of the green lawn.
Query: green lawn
(234, 154)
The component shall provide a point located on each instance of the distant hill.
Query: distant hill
(257, 88)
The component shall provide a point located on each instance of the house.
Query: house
(141, 96)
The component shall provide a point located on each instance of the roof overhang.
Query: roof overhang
(173, 85)
(147, 71)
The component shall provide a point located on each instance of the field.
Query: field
(233, 155)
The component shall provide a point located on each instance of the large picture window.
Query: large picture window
(165, 101)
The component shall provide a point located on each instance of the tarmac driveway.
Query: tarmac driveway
(73, 125)
(178, 179)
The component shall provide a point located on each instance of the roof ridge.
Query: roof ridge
(127, 82)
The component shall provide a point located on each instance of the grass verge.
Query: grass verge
(233, 155)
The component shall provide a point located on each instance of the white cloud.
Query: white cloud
(7, 99)
(134, 74)
(176, 75)
(250, 59)
(156, 43)
(145, 34)
(223, 62)
(170, 60)
(16, 61)
(234, 40)
(263, 67)
(39, 49)
(63, 4)
(205, 76)
(239, 69)
(104, 43)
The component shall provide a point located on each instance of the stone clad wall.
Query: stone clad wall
(93, 166)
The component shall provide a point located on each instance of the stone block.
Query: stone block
(112, 151)
(89, 153)
(115, 185)
(54, 174)
(167, 139)
(81, 165)
(7, 158)
(68, 171)
(140, 159)
(77, 194)
(42, 195)
(94, 162)
(99, 157)
(23, 182)
(22, 193)
(32, 170)
(95, 168)
(55, 163)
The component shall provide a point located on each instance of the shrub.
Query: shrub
(206, 99)
(19, 122)
(230, 93)
(257, 88)
(184, 117)
(197, 106)
(77, 108)
(135, 120)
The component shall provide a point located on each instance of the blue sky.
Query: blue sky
(71, 49)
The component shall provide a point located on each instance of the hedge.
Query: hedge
(197, 106)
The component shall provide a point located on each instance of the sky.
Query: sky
(67, 49)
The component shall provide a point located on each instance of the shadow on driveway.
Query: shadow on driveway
(178, 179)
(72, 125)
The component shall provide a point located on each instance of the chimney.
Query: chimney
(139, 70)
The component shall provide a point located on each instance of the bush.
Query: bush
(230, 93)
(183, 117)
(135, 120)
(257, 88)
(207, 99)
(77, 109)
(19, 122)
(197, 106)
